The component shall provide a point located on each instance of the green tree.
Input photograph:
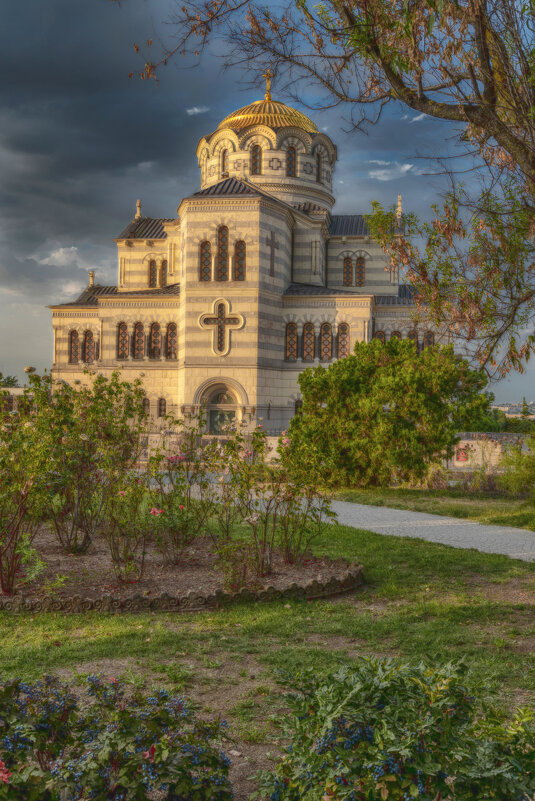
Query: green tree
(525, 408)
(8, 381)
(381, 415)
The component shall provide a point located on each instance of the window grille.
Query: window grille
(380, 335)
(88, 355)
(153, 274)
(429, 339)
(162, 406)
(222, 254)
(290, 162)
(360, 271)
(412, 336)
(163, 273)
(239, 261)
(343, 340)
(256, 160)
(348, 272)
(291, 342)
(74, 347)
(155, 341)
(326, 342)
(205, 271)
(172, 341)
(139, 341)
(146, 405)
(308, 342)
(122, 341)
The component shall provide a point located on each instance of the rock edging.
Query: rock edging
(193, 601)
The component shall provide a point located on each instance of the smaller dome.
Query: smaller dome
(268, 112)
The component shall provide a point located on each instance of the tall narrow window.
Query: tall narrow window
(139, 341)
(290, 162)
(162, 406)
(239, 261)
(429, 339)
(88, 349)
(224, 163)
(348, 271)
(155, 341)
(146, 405)
(163, 273)
(326, 342)
(122, 341)
(380, 335)
(172, 342)
(153, 274)
(395, 335)
(290, 352)
(343, 340)
(360, 271)
(256, 160)
(74, 347)
(318, 167)
(309, 350)
(205, 269)
(222, 254)
(412, 336)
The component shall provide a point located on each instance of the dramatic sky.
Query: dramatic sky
(80, 142)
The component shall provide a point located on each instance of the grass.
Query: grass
(421, 601)
(484, 508)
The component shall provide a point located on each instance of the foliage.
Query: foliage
(8, 381)
(384, 730)
(235, 559)
(381, 415)
(115, 748)
(128, 526)
(518, 478)
(23, 496)
(302, 513)
(90, 434)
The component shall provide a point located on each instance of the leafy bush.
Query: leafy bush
(384, 730)
(115, 748)
(128, 526)
(518, 478)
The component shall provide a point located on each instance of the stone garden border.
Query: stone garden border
(193, 601)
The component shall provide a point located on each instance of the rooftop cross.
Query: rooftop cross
(268, 75)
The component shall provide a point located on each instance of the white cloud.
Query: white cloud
(143, 166)
(71, 288)
(378, 161)
(63, 257)
(418, 118)
(390, 170)
(197, 110)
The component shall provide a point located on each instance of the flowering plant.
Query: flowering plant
(384, 731)
(127, 527)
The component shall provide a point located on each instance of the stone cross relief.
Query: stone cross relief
(272, 243)
(221, 324)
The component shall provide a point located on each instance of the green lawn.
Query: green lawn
(421, 600)
(484, 508)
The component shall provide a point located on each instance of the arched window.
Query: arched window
(153, 274)
(318, 167)
(222, 254)
(256, 160)
(163, 273)
(155, 341)
(326, 342)
(88, 348)
(343, 340)
(309, 350)
(74, 347)
(239, 261)
(162, 406)
(171, 342)
(122, 341)
(348, 271)
(290, 162)
(146, 405)
(380, 335)
(139, 341)
(360, 271)
(290, 351)
(224, 163)
(429, 339)
(412, 336)
(395, 335)
(205, 266)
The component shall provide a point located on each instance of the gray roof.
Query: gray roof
(229, 186)
(393, 300)
(348, 225)
(145, 228)
(310, 289)
(309, 208)
(92, 294)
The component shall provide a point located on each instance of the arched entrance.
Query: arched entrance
(221, 407)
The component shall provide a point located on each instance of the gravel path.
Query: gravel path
(515, 542)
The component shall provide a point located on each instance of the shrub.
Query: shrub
(302, 514)
(116, 748)
(384, 730)
(128, 526)
(518, 478)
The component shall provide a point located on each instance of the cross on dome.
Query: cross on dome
(268, 75)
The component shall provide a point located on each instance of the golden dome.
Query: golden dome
(267, 112)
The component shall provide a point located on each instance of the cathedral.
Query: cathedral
(253, 280)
